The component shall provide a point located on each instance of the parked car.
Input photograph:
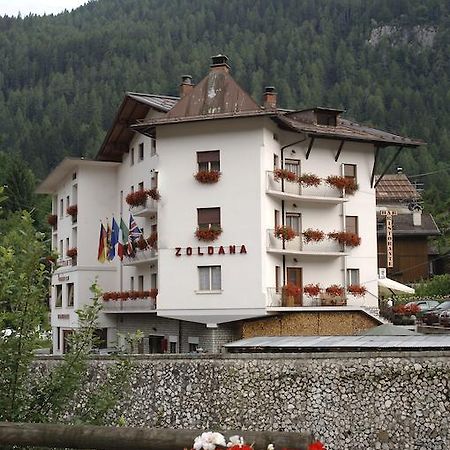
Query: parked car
(424, 305)
(444, 318)
(432, 316)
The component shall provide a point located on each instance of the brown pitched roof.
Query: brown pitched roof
(396, 188)
(403, 225)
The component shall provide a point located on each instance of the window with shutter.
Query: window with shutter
(208, 161)
(351, 224)
(208, 217)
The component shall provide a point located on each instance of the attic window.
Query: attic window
(325, 118)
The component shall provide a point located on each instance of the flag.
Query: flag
(134, 234)
(123, 239)
(114, 239)
(108, 240)
(102, 244)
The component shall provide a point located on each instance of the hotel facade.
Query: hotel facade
(245, 209)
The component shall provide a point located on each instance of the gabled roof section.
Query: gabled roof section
(135, 106)
(403, 225)
(396, 188)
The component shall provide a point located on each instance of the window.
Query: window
(154, 181)
(293, 221)
(74, 237)
(208, 217)
(58, 299)
(172, 347)
(141, 283)
(276, 162)
(70, 294)
(350, 171)
(154, 281)
(132, 189)
(67, 203)
(351, 224)
(61, 207)
(352, 276)
(153, 147)
(132, 156)
(141, 186)
(58, 338)
(131, 283)
(141, 151)
(74, 176)
(61, 250)
(67, 244)
(210, 278)
(193, 343)
(277, 218)
(208, 160)
(277, 278)
(293, 165)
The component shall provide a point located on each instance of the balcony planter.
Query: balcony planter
(285, 233)
(289, 293)
(283, 174)
(152, 293)
(52, 220)
(72, 210)
(345, 238)
(137, 198)
(309, 180)
(129, 295)
(72, 252)
(348, 185)
(152, 240)
(141, 243)
(313, 290)
(333, 296)
(208, 234)
(311, 235)
(153, 194)
(356, 290)
(207, 176)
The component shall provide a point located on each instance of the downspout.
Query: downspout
(344, 224)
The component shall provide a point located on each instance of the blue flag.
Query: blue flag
(114, 239)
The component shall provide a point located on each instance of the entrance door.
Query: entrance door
(155, 344)
(294, 277)
(66, 343)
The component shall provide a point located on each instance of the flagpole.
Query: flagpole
(121, 262)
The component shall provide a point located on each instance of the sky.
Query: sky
(12, 7)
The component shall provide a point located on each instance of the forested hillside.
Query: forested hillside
(385, 61)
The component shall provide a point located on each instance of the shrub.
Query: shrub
(341, 183)
(309, 179)
(285, 233)
(207, 176)
(311, 235)
(438, 285)
(283, 174)
(208, 234)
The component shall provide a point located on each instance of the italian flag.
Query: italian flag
(123, 239)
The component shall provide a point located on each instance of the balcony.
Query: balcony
(287, 190)
(148, 209)
(275, 299)
(139, 305)
(141, 257)
(297, 246)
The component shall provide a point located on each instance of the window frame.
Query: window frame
(354, 170)
(210, 288)
(70, 294)
(141, 152)
(203, 225)
(351, 271)
(58, 295)
(211, 164)
(354, 229)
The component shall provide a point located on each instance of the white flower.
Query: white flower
(208, 441)
(270, 447)
(235, 440)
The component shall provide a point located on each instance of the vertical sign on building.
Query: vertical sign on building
(389, 237)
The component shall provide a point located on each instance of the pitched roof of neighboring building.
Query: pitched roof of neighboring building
(396, 188)
(134, 106)
(403, 225)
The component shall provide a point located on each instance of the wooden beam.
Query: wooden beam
(377, 153)
(339, 150)
(112, 438)
(388, 165)
(311, 142)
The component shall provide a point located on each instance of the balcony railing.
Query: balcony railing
(141, 257)
(297, 245)
(66, 262)
(149, 209)
(275, 299)
(139, 305)
(321, 193)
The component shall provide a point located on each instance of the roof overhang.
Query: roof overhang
(64, 168)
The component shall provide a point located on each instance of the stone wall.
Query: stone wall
(361, 401)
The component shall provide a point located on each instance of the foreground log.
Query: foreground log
(111, 438)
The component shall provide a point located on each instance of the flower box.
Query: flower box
(356, 290)
(207, 176)
(345, 238)
(52, 220)
(208, 234)
(137, 198)
(141, 243)
(284, 232)
(311, 235)
(348, 185)
(152, 240)
(283, 174)
(291, 294)
(72, 210)
(129, 295)
(153, 194)
(72, 252)
(313, 290)
(309, 180)
(335, 290)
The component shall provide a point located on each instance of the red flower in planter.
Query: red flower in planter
(283, 174)
(153, 193)
(106, 296)
(284, 232)
(72, 252)
(309, 179)
(141, 243)
(208, 234)
(137, 198)
(133, 295)
(335, 290)
(311, 235)
(115, 295)
(345, 238)
(357, 290)
(316, 446)
(406, 310)
(152, 240)
(72, 210)
(153, 293)
(123, 295)
(313, 290)
(341, 183)
(52, 220)
(291, 290)
(207, 176)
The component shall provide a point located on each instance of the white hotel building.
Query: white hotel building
(212, 292)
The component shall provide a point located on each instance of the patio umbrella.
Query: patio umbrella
(388, 287)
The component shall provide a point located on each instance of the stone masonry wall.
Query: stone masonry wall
(360, 401)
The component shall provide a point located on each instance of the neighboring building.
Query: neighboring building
(211, 292)
(412, 228)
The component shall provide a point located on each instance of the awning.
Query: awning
(386, 286)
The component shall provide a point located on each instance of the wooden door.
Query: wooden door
(294, 277)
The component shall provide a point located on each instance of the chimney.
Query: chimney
(270, 97)
(399, 170)
(417, 217)
(186, 86)
(219, 63)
